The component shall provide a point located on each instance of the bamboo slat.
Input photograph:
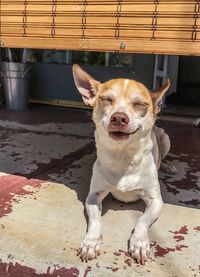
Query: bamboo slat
(153, 25)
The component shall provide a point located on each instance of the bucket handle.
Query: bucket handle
(26, 71)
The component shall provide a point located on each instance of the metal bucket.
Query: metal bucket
(16, 84)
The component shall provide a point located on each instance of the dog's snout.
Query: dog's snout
(119, 119)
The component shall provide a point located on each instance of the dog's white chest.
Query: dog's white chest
(128, 182)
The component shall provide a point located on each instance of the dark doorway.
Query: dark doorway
(188, 86)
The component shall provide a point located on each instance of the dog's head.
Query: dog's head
(121, 107)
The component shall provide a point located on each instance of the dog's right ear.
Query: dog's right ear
(158, 95)
(86, 85)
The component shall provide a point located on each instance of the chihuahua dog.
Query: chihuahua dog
(129, 152)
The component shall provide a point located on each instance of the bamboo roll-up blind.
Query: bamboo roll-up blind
(160, 26)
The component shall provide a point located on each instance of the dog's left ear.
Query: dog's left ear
(157, 96)
(86, 85)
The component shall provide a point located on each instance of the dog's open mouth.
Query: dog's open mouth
(118, 135)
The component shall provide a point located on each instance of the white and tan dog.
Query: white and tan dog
(129, 153)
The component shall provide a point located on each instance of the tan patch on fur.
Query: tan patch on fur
(127, 91)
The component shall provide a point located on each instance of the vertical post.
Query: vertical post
(107, 59)
(68, 57)
(86, 57)
(160, 70)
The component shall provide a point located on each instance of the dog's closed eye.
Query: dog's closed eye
(140, 104)
(141, 107)
(106, 100)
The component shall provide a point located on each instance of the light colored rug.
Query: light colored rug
(42, 224)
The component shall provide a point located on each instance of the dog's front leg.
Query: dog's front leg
(90, 247)
(139, 246)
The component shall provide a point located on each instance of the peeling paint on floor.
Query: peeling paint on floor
(42, 234)
(42, 211)
(64, 151)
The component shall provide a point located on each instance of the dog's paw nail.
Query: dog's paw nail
(90, 249)
(139, 249)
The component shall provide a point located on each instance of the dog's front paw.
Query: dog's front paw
(90, 248)
(139, 247)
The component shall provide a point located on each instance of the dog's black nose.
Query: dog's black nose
(119, 119)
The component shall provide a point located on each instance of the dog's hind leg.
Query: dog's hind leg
(163, 141)
(164, 147)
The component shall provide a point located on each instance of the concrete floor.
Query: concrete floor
(47, 155)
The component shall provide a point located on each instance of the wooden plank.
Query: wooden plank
(96, 32)
(129, 46)
(166, 21)
(61, 103)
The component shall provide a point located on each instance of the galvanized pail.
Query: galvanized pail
(16, 84)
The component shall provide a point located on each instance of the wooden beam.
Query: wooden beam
(119, 45)
(60, 103)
